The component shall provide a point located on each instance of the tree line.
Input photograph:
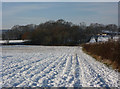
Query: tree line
(58, 32)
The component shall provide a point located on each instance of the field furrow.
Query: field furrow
(55, 66)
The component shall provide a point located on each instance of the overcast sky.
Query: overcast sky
(22, 13)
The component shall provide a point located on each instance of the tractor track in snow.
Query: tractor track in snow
(55, 66)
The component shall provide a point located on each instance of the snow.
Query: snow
(12, 41)
(103, 39)
(0, 67)
(92, 40)
(116, 38)
(53, 66)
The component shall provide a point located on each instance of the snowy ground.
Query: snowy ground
(12, 41)
(54, 67)
(0, 67)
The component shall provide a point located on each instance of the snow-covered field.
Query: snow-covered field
(12, 41)
(53, 66)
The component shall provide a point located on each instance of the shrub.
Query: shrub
(107, 52)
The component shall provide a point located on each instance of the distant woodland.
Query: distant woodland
(58, 32)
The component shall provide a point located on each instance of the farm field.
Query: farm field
(53, 66)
